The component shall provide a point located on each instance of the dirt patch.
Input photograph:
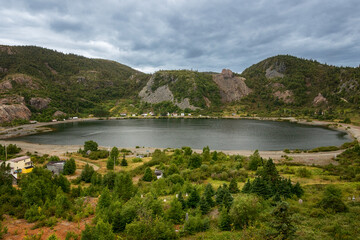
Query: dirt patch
(19, 228)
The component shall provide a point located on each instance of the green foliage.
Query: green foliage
(233, 188)
(193, 199)
(87, 173)
(175, 213)
(114, 154)
(244, 211)
(204, 205)
(90, 145)
(52, 237)
(5, 176)
(255, 161)
(110, 164)
(123, 162)
(303, 172)
(104, 200)
(331, 200)
(196, 224)
(102, 231)
(148, 175)
(195, 160)
(224, 220)
(282, 222)
(124, 188)
(69, 167)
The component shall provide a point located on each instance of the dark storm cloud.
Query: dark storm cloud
(174, 34)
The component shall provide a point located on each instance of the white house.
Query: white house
(20, 165)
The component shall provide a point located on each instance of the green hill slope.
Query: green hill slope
(70, 83)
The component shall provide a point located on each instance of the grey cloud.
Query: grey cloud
(204, 35)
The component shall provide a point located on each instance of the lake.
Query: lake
(221, 134)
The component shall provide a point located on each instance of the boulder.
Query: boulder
(39, 103)
(59, 114)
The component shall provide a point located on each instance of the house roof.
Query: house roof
(56, 163)
(18, 159)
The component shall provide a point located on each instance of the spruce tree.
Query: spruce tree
(193, 199)
(110, 164)
(247, 187)
(124, 162)
(182, 200)
(175, 213)
(219, 195)
(224, 220)
(204, 205)
(233, 187)
(69, 167)
(227, 198)
(208, 194)
(148, 176)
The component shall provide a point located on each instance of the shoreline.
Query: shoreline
(318, 158)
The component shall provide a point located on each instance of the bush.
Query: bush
(244, 211)
(136, 160)
(303, 172)
(196, 224)
(331, 200)
(69, 167)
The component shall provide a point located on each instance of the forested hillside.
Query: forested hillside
(35, 83)
(50, 81)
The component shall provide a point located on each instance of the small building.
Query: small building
(133, 115)
(144, 114)
(182, 114)
(123, 114)
(20, 165)
(56, 167)
(158, 173)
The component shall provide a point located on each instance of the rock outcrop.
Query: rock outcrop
(18, 79)
(319, 99)
(39, 103)
(275, 71)
(232, 88)
(162, 94)
(59, 114)
(280, 92)
(12, 112)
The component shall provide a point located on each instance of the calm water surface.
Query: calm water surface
(224, 134)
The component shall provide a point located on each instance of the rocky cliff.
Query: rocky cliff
(232, 88)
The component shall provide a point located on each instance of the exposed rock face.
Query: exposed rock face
(3, 70)
(12, 100)
(10, 113)
(275, 71)
(6, 49)
(286, 96)
(279, 91)
(39, 103)
(59, 114)
(232, 88)
(162, 94)
(19, 79)
(319, 99)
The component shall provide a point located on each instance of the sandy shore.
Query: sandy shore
(322, 158)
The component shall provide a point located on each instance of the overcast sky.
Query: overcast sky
(204, 35)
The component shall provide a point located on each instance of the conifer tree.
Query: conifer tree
(148, 176)
(175, 212)
(124, 163)
(233, 188)
(182, 200)
(247, 187)
(224, 220)
(204, 205)
(193, 199)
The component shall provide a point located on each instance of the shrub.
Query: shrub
(196, 224)
(331, 200)
(244, 211)
(303, 172)
(90, 145)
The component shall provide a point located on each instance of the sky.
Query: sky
(203, 35)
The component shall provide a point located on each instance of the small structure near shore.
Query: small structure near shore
(56, 167)
(158, 173)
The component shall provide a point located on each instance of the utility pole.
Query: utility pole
(5, 152)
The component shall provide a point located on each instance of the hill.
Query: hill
(299, 84)
(36, 83)
(47, 81)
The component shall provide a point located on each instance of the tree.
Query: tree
(208, 194)
(227, 200)
(124, 188)
(193, 199)
(244, 211)
(182, 200)
(87, 173)
(103, 231)
(69, 167)
(282, 221)
(233, 188)
(224, 220)
(214, 156)
(114, 154)
(123, 162)
(247, 187)
(175, 213)
(148, 175)
(195, 161)
(110, 164)
(204, 205)
(260, 187)
(5, 176)
(206, 154)
(52, 237)
(104, 200)
(331, 200)
(297, 190)
(90, 145)
(255, 161)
